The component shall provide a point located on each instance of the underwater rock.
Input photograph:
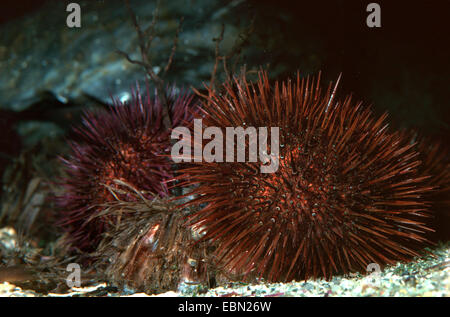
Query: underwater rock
(48, 55)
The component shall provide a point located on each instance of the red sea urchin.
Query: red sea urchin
(127, 144)
(435, 156)
(346, 194)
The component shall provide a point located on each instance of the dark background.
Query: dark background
(402, 67)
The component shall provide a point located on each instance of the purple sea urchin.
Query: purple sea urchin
(347, 192)
(127, 144)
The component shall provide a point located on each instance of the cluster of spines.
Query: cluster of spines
(127, 144)
(347, 192)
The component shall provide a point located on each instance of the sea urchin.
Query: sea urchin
(346, 193)
(126, 145)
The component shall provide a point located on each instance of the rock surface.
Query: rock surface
(39, 52)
